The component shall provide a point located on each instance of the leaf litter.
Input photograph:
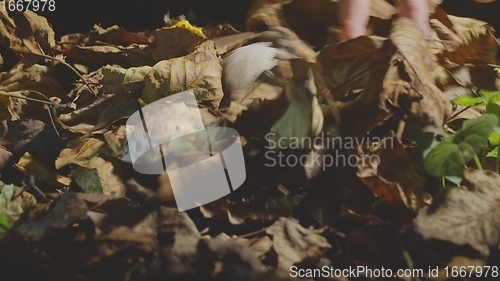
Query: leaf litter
(70, 208)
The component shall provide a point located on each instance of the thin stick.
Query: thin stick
(64, 63)
(3, 93)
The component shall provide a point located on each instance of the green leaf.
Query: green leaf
(494, 138)
(455, 180)
(493, 108)
(444, 160)
(491, 96)
(450, 156)
(493, 153)
(470, 101)
(5, 222)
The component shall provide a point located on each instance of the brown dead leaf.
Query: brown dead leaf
(173, 42)
(120, 80)
(117, 35)
(27, 34)
(467, 79)
(96, 171)
(99, 113)
(409, 86)
(200, 71)
(266, 13)
(294, 243)
(350, 63)
(44, 223)
(36, 81)
(477, 42)
(392, 177)
(30, 166)
(102, 54)
(468, 215)
(121, 238)
(32, 136)
(36, 77)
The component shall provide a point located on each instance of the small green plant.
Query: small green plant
(490, 100)
(451, 156)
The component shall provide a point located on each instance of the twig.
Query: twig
(51, 109)
(64, 63)
(3, 93)
(253, 233)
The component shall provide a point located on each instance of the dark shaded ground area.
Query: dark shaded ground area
(80, 16)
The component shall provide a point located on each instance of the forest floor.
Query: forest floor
(375, 158)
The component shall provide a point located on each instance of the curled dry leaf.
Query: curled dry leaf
(409, 87)
(468, 215)
(200, 71)
(175, 41)
(477, 42)
(99, 113)
(27, 34)
(36, 77)
(101, 55)
(97, 172)
(392, 185)
(293, 243)
(121, 80)
(35, 81)
(117, 35)
(350, 63)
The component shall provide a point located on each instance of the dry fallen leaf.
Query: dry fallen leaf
(349, 64)
(32, 136)
(120, 80)
(477, 42)
(27, 34)
(468, 215)
(409, 86)
(200, 71)
(394, 185)
(45, 223)
(175, 41)
(294, 243)
(96, 171)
